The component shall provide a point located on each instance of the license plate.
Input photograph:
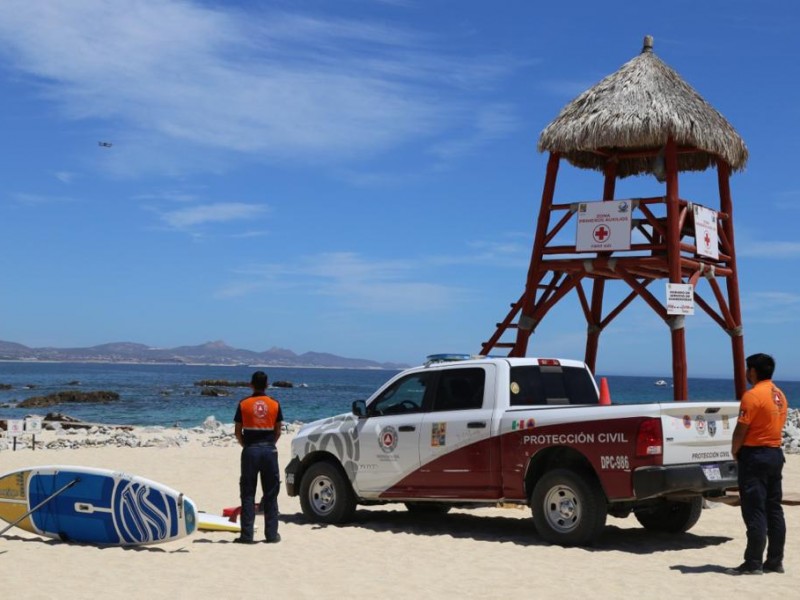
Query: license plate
(290, 477)
(712, 473)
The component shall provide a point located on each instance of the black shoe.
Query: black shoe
(744, 569)
(776, 567)
(275, 539)
(243, 540)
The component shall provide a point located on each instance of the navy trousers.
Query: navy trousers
(259, 460)
(760, 490)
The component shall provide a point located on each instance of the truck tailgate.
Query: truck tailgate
(698, 432)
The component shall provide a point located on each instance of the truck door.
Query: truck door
(456, 450)
(389, 437)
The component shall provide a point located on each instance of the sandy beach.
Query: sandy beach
(386, 552)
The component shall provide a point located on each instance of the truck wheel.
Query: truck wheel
(428, 508)
(325, 494)
(568, 509)
(671, 516)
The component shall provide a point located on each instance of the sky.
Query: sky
(359, 177)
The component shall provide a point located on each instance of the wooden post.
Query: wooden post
(526, 323)
(599, 283)
(676, 322)
(732, 282)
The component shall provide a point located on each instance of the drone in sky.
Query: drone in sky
(105, 144)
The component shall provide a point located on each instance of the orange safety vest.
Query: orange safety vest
(763, 408)
(259, 413)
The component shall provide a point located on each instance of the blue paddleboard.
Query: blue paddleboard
(95, 506)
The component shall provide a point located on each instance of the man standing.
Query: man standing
(756, 445)
(258, 426)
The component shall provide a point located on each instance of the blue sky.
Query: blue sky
(360, 176)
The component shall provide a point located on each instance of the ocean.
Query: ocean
(167, 395)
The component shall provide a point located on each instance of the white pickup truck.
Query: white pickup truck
(529, 431)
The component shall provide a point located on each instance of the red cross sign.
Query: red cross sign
(600, 233)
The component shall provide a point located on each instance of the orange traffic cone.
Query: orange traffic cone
(605, 396)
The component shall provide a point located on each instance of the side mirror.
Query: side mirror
(360, 408)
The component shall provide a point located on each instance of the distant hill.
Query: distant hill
(217, 353)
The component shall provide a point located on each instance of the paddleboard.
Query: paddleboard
(95, 506)
(209, 522)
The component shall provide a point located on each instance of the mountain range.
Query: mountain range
(217, 353)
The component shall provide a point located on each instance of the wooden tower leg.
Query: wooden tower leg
(526, 323)
(676, 323)
(598, 288)
(732, 282)
(594, 330)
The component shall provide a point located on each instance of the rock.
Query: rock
(98, 397)
(282, 384)
(221, 383)
(214, 391)
(211, 423)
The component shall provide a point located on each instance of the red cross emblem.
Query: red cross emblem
(707, 239)
(600, 233)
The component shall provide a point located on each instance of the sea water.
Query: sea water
(167, 395)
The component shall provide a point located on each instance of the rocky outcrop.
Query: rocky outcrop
(98, 397)
(217, 383)
(221, 383)
(58, 421)
(214, 392)
(62, 435)
(791, 432)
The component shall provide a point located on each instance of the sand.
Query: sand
(385, 553)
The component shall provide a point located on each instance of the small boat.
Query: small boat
(661, 383)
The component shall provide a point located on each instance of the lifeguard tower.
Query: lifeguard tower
(644, 119)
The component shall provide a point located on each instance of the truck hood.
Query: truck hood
(330, 434)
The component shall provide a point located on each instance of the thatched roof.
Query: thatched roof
(636, 109)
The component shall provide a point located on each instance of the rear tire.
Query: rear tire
(670, 516)
(569, 509)
(326, 495)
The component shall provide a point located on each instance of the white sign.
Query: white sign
(33, 425)
(705, 232)
(16, 427)
(604, 226)
(680, 299)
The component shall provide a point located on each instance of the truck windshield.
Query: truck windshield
(536, 385)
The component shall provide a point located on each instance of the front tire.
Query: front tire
(568, 509)
(326, 495)
(670, 516)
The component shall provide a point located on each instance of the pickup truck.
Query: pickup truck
(529, 431)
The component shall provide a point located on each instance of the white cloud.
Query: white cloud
(491, 123)
(749, 244)
(770, 300)
(787, 200)
(568, 88)
(770, 307)
(39, 199)
(169, 195)
(187, 218)
(268, 84)
(64, 176)
(381, 286)
(772, 249)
